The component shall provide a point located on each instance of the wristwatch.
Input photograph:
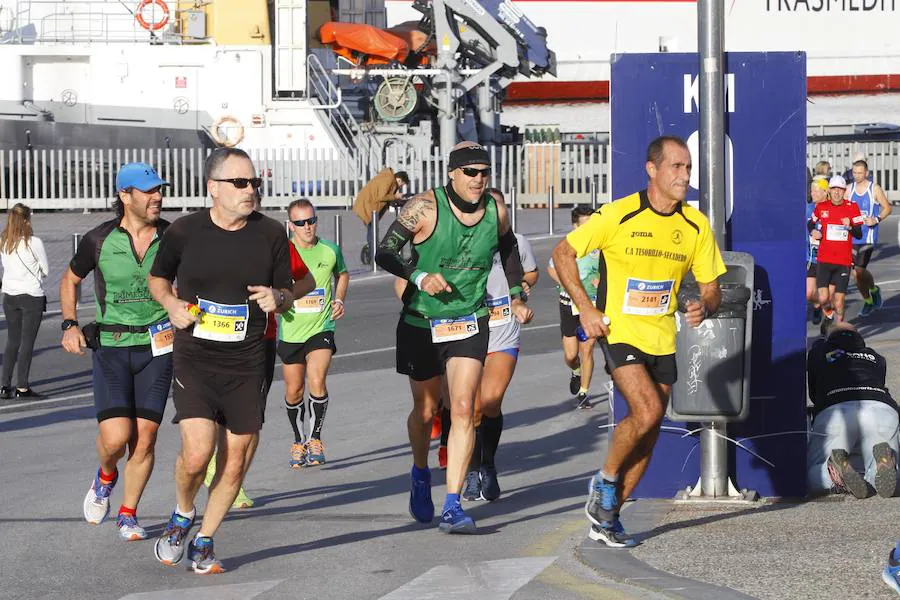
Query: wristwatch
(280, 299)
(68, 324)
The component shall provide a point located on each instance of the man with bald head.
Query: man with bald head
(455, 231)
(852, 411)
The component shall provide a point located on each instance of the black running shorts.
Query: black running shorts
(236, 401)
(131, 382)
(662, 369)
(295, 354)
(421, 359)
(567, 321)
(828, 274)
(862, 254)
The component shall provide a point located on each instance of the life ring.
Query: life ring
(219, 136)
(156, 25)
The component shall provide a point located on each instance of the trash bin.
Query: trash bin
(713, 359)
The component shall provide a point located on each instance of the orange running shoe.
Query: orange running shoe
(442, 457)
(315, 452)
(436, 427)
(298, 455)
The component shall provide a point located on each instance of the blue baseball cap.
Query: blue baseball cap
(138, 175)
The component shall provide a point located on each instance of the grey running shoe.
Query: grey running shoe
(203, 558)
(472, 489)
(602, 506)
(169, 547)
(613, 535)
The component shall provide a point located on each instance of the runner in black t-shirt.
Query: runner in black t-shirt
(232, 263)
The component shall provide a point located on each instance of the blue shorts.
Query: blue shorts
(514, 352)
(131, 382)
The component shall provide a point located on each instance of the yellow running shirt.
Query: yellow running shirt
(645, 255)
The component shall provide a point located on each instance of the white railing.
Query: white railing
(883, 159)
(85, 178)
(95, 21)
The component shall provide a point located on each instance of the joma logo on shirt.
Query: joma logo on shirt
(641, 234)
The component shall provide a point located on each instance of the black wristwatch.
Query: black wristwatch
(68, 323)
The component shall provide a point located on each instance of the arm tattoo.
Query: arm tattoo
(414, 211)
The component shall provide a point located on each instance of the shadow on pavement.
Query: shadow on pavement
(51, 418)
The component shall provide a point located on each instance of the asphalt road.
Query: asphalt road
(342, 531)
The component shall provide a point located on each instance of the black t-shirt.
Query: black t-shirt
(836, 375)
(210, 264)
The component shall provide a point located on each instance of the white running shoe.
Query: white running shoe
(96, 501)
(129, 530)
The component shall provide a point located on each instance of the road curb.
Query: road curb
(622, 566)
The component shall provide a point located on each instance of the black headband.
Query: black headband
(470, 155)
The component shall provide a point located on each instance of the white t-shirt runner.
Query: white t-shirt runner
(504, 327)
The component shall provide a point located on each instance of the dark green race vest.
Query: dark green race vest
(463, 255)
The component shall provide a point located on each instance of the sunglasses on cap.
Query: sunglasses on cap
(301, 222)
(242, 182)
(470, 172)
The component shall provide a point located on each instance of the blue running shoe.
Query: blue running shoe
(891, 573)
(613, 535)
(601, 507)
(421, 508)
(96, 501)
(877, 300)
(203, 558)
(169, 547)
(129, 529)
(490, 486)
(455, 520)
(867, 309)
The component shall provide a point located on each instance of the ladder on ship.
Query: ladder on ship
(300, 71)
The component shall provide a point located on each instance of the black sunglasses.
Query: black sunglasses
(301, 222)
(470, 172)
(242, 182)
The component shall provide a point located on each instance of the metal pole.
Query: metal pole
(513, 209)
(711, 15)
(375, 240)
(338, 231)
(713, 461)
(76, 240)
(447, 109)
(710, 27)
(550, 209)
(488, 118)
(593, 192)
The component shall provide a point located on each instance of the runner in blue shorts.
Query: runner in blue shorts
(131, 340)
(499, 366)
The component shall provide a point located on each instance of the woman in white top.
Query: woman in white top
(24, 268)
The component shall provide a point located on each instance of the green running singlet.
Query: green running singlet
(463, 255)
